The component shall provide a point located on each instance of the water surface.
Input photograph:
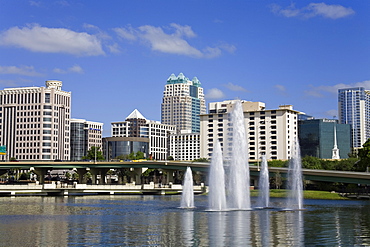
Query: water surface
(124, 220)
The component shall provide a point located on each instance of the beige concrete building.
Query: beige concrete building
(185, 146)
(34, 122)
(268, 132)
(183, 102)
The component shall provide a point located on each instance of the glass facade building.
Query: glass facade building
(118, 146)
(84, 135)
(317, 138)
(354, 109)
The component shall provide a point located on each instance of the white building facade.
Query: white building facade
(84, 135)
(35, 122)
(185, 146)
(136, 125)
(268, 132)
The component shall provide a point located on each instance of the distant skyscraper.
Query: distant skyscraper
(183, 103)
(354, 109)
(34, 122)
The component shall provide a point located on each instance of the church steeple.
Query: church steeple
(335, 150)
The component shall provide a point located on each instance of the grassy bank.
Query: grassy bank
(307, 194)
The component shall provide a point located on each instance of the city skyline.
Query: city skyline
(113, 56)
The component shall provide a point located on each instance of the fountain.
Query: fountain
(295, 186)
(264, 185)
(239, 187)
(216, 195)
(187, 198)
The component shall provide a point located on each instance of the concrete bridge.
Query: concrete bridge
(168, 167)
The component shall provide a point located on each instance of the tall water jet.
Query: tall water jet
(295, 182)
(264, 185)
(239, 186)
(217, 195)
(187, 198)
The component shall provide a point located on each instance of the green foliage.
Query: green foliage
(276, 180)
(170, 158)
(86, 176)
(278, 163)
(122, 157)
(201, 160)
(309, 162)
(364, 155)
(138, 156)
(92, 153)
(346, 164)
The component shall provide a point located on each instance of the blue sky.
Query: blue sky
(115, 56)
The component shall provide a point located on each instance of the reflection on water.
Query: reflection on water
(264, 227)
(157, 221)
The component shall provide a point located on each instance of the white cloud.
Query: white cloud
(73, 69)
(331, 113)
(319, 91)
(234, 87)
(174, 42)
(127, 33)
(114, 48)
(281, 88)
(185, 31)
(24, 70)
(332, 11)
(328, 11)
(214, 93)
(52, 40)
(35, 3)
(167, 43)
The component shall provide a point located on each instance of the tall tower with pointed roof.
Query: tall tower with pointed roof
(182, 104)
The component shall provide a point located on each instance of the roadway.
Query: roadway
(308, 174)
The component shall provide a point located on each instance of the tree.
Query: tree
(94, 154)
(310, 162)
(201, 160)
(140, 155)
(364, 155)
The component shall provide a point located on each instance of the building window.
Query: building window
(47, 97)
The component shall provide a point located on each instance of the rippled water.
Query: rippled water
(158, 221)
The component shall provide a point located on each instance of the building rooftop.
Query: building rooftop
(136, 115)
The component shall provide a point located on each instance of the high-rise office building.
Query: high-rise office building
(183, 103)
(84, 135)
(324, 138)
(268, 132)
(35, 122)
(354, 109)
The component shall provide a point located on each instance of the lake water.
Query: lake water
(125, 220)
